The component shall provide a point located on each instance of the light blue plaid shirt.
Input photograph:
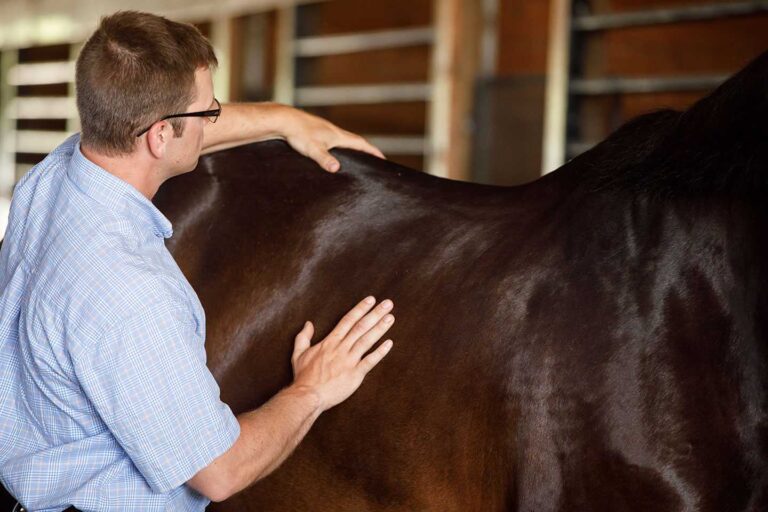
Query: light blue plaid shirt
(105, 399)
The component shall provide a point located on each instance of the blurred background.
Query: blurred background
(491, 91)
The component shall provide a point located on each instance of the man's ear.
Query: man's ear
(158, 137)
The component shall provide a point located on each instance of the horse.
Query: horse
(592, 340)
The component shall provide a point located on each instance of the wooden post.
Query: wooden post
(285, 65)
(556, 100)
(221, 34)
(236, 60)
(455, 64)
(489, 34)
(73, 122)
(7, 125)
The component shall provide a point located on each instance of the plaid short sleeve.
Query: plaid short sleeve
(148, 381)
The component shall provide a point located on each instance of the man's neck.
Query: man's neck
(131, 168)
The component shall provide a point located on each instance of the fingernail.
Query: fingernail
(369, 300)
(333, 166)
(387, 304)
(388, 344)
(389, 319)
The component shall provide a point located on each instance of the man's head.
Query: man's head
(135, 69)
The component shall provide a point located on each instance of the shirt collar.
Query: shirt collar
(116, 194)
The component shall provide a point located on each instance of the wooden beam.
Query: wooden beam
(236, 53)
(39, 73)
(5, 210)
(253, 58)
(73, 122)
(620, 85)
(668, 15)
(363, 41)
(357, 94)
(38, 141)
(556, 100)
(490, 38)
(221, 39)
(42, 107)
(285, 66)
(455, 65)
(8, 60)
(399, 144)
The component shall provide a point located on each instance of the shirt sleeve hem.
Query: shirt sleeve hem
(220, 445)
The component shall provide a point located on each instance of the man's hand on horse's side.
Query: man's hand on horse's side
(325, 374)
(334, 368)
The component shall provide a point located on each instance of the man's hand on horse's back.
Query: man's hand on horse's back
(334, 368)
(313, 136)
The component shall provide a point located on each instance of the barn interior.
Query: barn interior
(497, 92)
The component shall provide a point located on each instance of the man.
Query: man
(105, 399)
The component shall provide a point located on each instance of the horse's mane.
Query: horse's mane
(718, 146)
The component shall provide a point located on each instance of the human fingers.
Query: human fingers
(324, 159)
(350, 319)
(366, 323)
(369, 339)
(372, 359)
(303, 340)
(350, 140)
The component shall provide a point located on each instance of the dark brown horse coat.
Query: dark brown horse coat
(592, 341)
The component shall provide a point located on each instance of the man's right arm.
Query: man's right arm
(324, 375)
(267, 436)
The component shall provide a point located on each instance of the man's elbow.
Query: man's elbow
(214, 482)
(215, 495)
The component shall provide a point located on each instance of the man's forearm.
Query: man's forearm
(276, 428)
(270, 433)
(325, 374)
(242, 123)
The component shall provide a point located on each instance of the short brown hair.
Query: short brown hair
(134, 69)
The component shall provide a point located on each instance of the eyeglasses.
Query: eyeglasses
(212, 116)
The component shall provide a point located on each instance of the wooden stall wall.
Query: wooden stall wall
(397, 72)
(408, 64)
(252, 53)
(36, 134)
(707, 48)
(509, 106)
